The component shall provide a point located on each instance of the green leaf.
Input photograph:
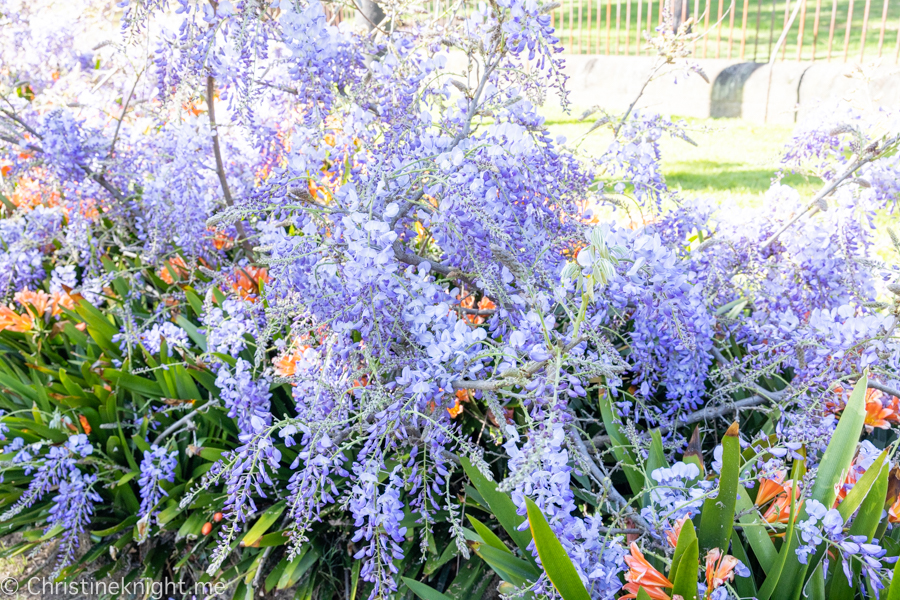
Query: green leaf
(894, 591)
(621, 447)
(501, 505)
(262, 525)
(686, 577)
(686, 537)
(865, 523)
(745, 586)
(756, 531)
(116, 528)
(643, 595)
(556, 562)
(835, 462)
(465, 580)
(297, 568)
(434, 563)
(510, 568)
(717, 516)
(424, 591)
(133, 383)
(489, 537)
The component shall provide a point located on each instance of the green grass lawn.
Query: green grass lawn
(732, 164)
(581, 25)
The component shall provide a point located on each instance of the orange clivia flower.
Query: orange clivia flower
(85, 426)
(877, 414)
(286, 364)
(457, 408)
(247, 281)
(36, 302)
(780, 510)
(672, 534)
(12, 321)
(641, 574)
(174, 266)
(60, 301)
(719, 568)
(770, 488)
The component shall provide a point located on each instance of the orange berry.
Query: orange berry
(218, 517)
(207, 527)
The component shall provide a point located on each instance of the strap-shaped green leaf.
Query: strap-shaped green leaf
(865, 523)
(424, 591)
(556, 562)
(489, 537)
(686, 577)
(755, 530)
(262, 525)
(852, 501)
(501, 505)
(510, 568)
(894, 590)
(832, 468)
(686, 537)
(717, 517)
(621, 447)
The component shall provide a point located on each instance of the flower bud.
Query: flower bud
(207, 527)
(218, 517)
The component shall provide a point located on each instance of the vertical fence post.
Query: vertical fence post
(640, 5)
(589, 29)
(801, 31)
(831, 27)
(696, 17)
(897, 47)
(571, 21)
(744, 27)
(884, 14)
(787, 15)
(719, 27)
(756, 35)
(628, 25)
(706, 27)
(847, 30)
(608, 23)
(816, 28)
(579, 26)
(618, 28)
(865, 28)
(772, 32)
(733, 10)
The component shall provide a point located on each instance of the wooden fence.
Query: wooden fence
(829, 30)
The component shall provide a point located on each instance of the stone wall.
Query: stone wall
(757, 92)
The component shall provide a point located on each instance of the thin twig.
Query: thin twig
(614, 494)
(220, 165)
(174, 426)
(112, 144)
(707, 413)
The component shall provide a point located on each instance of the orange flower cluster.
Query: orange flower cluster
(641, 574)
(457, 408)
(29, 192)
(719, 568)
(882, 410)
(38, 305)
(286, 363)
(175, 266)
(892, 503)
(247, 282)
(468, 301)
